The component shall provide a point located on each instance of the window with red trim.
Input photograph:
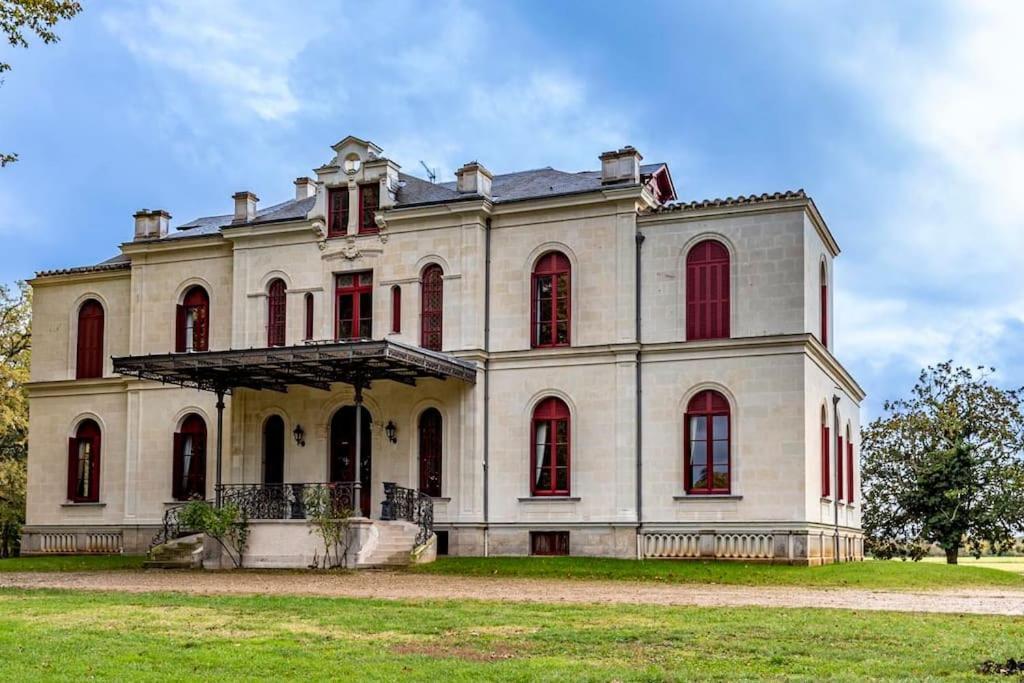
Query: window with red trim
(90, 340)
(550, 448)
(708, 444)
(277, 313)
(550, 309)
(826, 469)
(354, 305)
(337, 211)
(824, 306)
(840, 479)
(431, 307)
(396, 309)
(193, 321)
(188, 469)
(309, 315)
(707, 291)
(369, 202)
(430, 452)
(849, 467)
(84, 463)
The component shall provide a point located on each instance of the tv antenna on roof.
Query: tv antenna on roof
(431, 172)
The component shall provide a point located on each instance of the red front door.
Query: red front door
(343, 451)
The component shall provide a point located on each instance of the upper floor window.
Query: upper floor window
(337, 211)
(823, 336)
(431, 307)
(826, 463)
(430, 452)
(550, 317)
(707, 291)
(277, 312)
(396, 309)
(188, 469)
(309, 316)
(193, 323)
(354, 300)
(84, 463)
(708, 444)
(549, 451)
(369, 202)
(89, 361)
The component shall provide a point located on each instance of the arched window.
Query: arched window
(273, 450)
(309, 315)
(189, 466)
(277, 312)
(826, 465)
(430, 452)
(84, 463)
(824, 306)
(849, 465)
(708, 444)
(90, 340)
(431, 307)
(550, 311)
(707, 291)
(193, 322)
(396, 309)
(550, 449)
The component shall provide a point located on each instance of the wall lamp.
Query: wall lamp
(300, 435)
(391, 431)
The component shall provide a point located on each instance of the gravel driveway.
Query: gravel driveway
(402, 586)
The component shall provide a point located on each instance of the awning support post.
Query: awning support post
(357, 486)
(220, 442)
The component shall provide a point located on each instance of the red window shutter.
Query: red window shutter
(839, 469)
(202, 327)
(89, 355)
(430, 452)
(309, 315)
(277, 311)
(94, 480)
(849, 470)
(197, 473)
(824, 313)
(72, 467)
(177, 459)
(396, 309)
(707, 291)
(179, 329)
(826, 488)
(431, 308)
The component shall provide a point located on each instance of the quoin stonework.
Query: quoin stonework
(558, 362)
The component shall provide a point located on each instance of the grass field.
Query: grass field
(895, 575)
(50, 635)
(1006, 564)
(70, 563)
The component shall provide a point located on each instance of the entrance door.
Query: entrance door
(343, 451)
(273, 450)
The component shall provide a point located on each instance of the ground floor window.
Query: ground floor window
(707, 444)
(189, 466)
(549, 542)
(84, 463)
(430, 452)
(549, 449)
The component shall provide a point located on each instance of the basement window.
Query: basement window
(549, 543)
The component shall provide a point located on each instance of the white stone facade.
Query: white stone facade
(772, 369)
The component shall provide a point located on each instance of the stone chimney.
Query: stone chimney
(304, 188)
(621, 166)
(473, 178)
(151, 225)
(245, 206)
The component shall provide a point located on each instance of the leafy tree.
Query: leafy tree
(12, 505)
(944, 467)
(228, 525)
(37, 16)
(15, 354)
(331, 520)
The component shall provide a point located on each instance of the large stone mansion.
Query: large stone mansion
(560, 362)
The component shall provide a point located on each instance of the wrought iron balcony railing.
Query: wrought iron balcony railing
(288, 501)
(412, 506)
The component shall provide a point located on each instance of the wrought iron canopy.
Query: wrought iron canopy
(316, 365)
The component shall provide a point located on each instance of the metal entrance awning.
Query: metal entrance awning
(316, 365)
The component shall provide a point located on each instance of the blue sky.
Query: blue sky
(905, 122)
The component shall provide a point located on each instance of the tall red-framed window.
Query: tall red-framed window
(308, 334)
(431, 307)
(707, 291)
(708, 444)
(396, 309)
(354, 305)
(550, 453)
(826, 469)
(188, 469)
(430, 452)
(84, 463)
(550, 316)
(369, 202)
(90, 340)
(840, 477)
(193, 321)
(849, 466)
(277, 312)
(337, 211)
(823, 336)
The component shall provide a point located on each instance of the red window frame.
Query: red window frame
(277, 312)
(84, 474)
(553, 415)
(396, 309)
(309, 316)
(706, 406)
(191, 484)
(431, 307)
(360, 321)
(89, 352)
(840, 479)
(707, 291)
(826, 462)
(430, 455)
(824, 307)
(849, 468)
(369, 202)
(197, 303)
(337, 211)
(551, 284)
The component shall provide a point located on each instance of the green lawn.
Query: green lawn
(60, 635)
(873, 574)
(1006, 564)
(70, 563)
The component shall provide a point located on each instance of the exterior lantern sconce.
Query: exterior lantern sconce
(300, 435)
(391, 431)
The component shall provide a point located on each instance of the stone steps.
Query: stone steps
(180, 553)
